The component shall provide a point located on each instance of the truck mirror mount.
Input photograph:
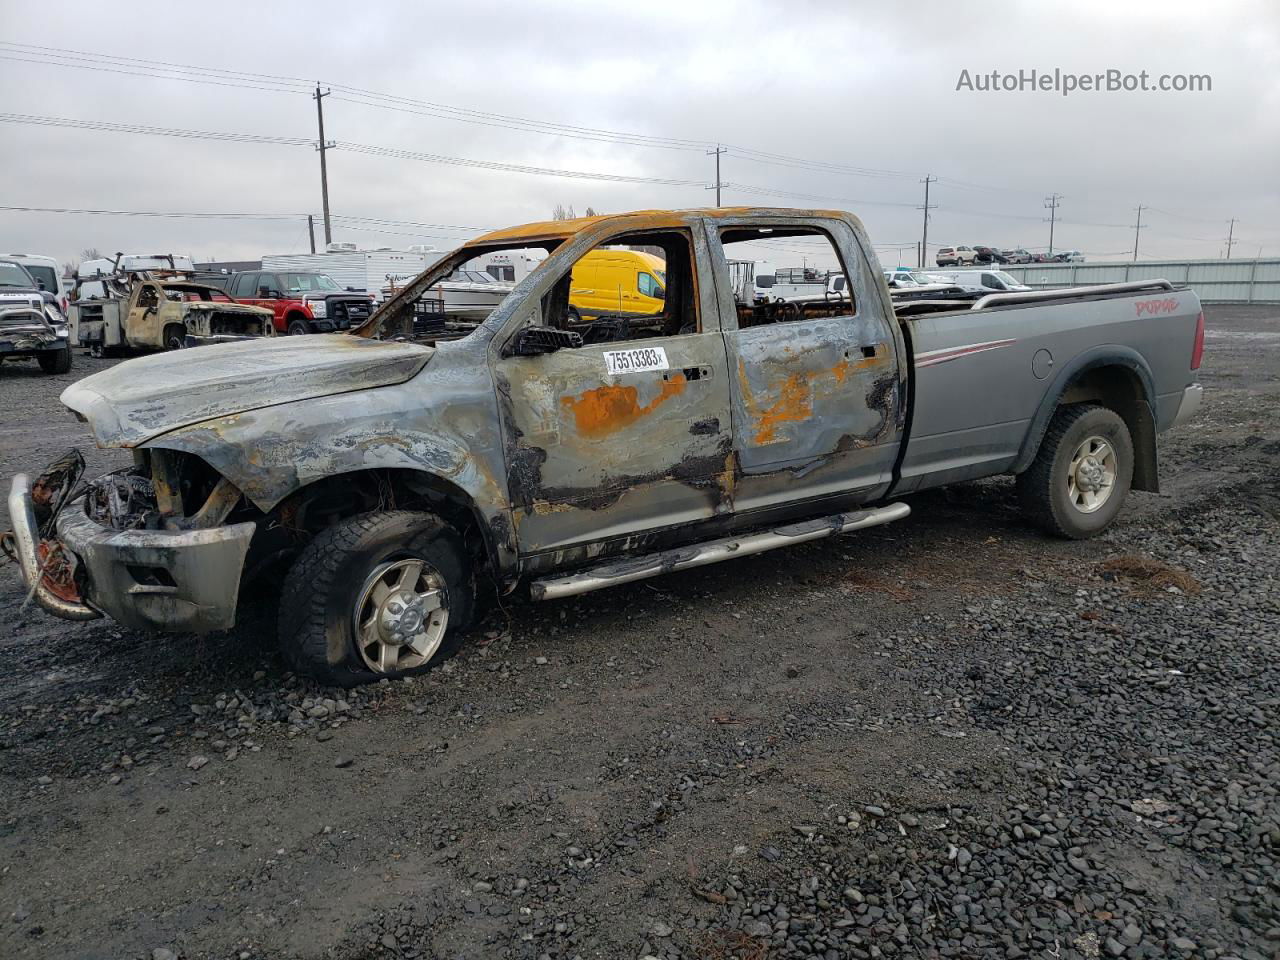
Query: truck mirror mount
(534, 341)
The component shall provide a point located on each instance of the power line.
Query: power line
(43, 61)
(364, 148)
(348, 221)
(153, 213)
(85, 60)
(65, 53)
(265, 82)
(399, 154)
(137, 128)
(771, 192)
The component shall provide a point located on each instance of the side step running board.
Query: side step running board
(628, 569)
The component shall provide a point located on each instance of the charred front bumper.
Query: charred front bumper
(167, 580)
(28, 332)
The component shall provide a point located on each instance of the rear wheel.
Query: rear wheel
(378, 595)
(1081, 475)
(175, 336)
(57, 362)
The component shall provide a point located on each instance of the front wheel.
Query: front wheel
(298, 328)
(175, 336)
(58, 361)
(378, 595)
(1080, 477)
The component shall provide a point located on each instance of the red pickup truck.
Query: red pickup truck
(301, 302)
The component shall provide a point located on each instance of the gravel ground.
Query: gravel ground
(948, 737)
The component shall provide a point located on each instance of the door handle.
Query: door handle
(694, 373)
(867, 351)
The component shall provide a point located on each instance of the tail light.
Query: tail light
(1197, 351)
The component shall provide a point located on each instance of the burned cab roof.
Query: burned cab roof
(636, 220)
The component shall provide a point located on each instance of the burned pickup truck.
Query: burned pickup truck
(149, 303)
(383, 482)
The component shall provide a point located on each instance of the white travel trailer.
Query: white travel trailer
(508, 266)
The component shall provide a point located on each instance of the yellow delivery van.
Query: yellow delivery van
(627, 282)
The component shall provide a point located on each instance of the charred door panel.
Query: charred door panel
(142, 325)
(815, 407)
(818, 402)
(595, 456)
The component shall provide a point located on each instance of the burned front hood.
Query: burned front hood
(140, 399)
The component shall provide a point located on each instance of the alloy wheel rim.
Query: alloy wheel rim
(401, 615)
(1091, 477)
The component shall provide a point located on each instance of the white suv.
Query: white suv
(956, 256)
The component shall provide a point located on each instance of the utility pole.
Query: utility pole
(716, 153)
(1051, 204)
(311, 231)
(324, 173)
(924, 239)
(1137, 227)
(1231, 241)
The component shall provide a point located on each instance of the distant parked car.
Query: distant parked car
(984, 281)
(1071, 256)
(899, 278)
(1043, 258)
(955, 256)
(1016, 255)
(985, 254)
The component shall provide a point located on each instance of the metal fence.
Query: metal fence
(1214, 281)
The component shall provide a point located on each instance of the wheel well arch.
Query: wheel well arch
(296, 313)
(321, 503)
(1114, 377)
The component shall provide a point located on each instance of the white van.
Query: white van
(47, 272)
(982, 281)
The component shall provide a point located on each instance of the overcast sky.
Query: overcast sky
(871, 86)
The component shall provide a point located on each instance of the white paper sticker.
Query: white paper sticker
(635, 361)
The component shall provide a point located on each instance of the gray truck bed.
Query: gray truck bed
(983, 374)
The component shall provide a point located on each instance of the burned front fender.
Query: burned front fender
(443, 422)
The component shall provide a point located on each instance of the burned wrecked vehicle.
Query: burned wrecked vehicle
(382, 482)
(136, 303)
(31, 328)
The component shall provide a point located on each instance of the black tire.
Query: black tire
(298, 327)
(575, 318)
(59, 362)
(1043, 489)
(175, 336)
(317, 603)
